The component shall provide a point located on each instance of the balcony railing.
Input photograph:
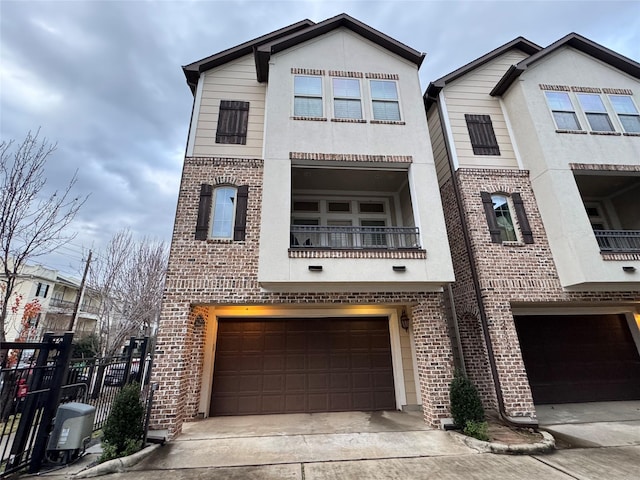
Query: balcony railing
(67, 305)
(618, 240)
(354, 238)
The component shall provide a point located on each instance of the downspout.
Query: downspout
(520, 422)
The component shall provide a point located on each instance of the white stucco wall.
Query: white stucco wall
(547, 155)
(343, 50)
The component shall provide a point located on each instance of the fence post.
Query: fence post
(61, 366)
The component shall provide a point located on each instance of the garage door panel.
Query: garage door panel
(584, 358)
(306, 365)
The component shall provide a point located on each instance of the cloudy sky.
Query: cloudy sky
(102, 78)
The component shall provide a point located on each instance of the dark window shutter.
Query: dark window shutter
(525, 229)
(483, 138)
(233, 119)
(492, 221)
(204, 212)
(240, 225)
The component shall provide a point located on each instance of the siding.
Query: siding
(407, 369)
(470, 94)
(233, 81)
(439, 146)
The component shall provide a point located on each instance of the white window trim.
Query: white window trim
(322, 96)
(216, 189)
(371, 100)
(587, 112)
(334, 97)
(617, 115)
(578, 115)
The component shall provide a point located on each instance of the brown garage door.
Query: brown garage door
(302, 365)
(588, 358)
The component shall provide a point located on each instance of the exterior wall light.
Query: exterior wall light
(404, 320)
(199, 322)
(399, 268)
(315, 268)
(629, 269)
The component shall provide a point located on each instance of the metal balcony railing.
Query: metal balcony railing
(354, 238)
(68, 305)
(618, 240)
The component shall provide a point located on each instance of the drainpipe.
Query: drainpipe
(520, 422)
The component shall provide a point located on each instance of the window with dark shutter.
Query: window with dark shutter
(233, 119)
(525, 229)
(492, 221)
(483, 138)
(204, 212)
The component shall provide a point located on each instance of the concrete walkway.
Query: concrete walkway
(594, 424)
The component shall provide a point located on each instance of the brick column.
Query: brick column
(434, 357)
(173, 350)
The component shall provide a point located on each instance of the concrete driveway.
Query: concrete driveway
(594, 424)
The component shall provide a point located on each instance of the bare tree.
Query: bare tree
(32, 224)
(129, 278)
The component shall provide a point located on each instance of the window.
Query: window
(346, 98)
(384, 99)
(595, 111)
(307, 93)
(222, 212)
(483, 138)
(233, 119)
(596, 215)
(497, 209)
(627, 112)
(563, 112)
(42, 290)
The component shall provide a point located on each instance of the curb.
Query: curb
(547, 444)
(117, 464)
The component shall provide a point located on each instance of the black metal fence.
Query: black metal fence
(37, 377)
(353, 238)
(618, 240)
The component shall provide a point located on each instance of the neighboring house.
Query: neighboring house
(538, 159)
(309, 228)
(56, 295)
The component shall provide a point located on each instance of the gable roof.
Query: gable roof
(579, 43)
(192, 71)
(266, 45)
(434, 88)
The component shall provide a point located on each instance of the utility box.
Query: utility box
(71, 431)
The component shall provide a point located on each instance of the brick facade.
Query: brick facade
(509, 273)
(209, 273)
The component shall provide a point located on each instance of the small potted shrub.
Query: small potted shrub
(466, 407)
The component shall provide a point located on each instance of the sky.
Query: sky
(103, 79)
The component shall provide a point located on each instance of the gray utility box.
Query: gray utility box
(72, 428)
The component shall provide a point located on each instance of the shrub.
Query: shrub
(123, 431)
(465, 401)
(479, 430)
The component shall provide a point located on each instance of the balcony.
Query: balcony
(618, 241)
(66, 305)
(353, 238)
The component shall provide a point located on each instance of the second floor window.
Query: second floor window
(498, 210)
(224, 206)
(222, 212)
(595, 112)
(346, 98)
(384, 100)
(627, 112)
(564, 113)
(307, 92)
(42, 290)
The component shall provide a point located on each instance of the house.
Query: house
(56, 295)
(309, 252)
(538, 156)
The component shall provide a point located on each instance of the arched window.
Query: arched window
(504, 218)
(223, 215)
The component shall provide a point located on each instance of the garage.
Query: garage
(579, 358)
(266, 366)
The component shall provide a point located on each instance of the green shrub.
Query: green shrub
(123, 430)
(465, 401)
(479, 430)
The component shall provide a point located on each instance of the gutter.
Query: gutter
(520, 422)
